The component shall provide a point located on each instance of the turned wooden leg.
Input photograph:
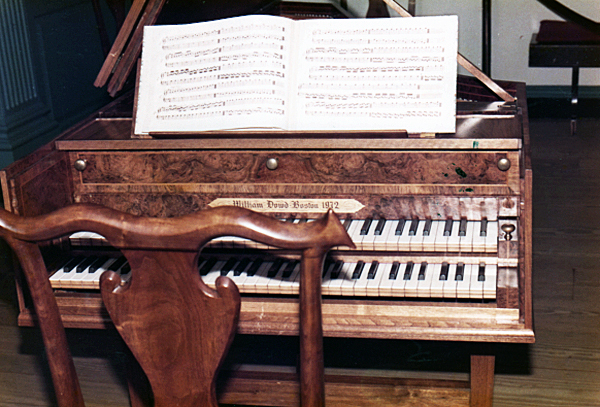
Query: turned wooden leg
(482, 380)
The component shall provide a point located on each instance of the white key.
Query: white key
(404, 238)
(453, 242)
(437, 286)
(424, 285)
(478, 242)
(441, 241)
(429, 241)
(374, 283)
(239, 277)
(489, 286)
(491, 240)
(275, 277)
(328, 267)
(387, 240)
(364, 223)
(92, 280)
(399, 282)
(416, 241)
(258, 282)
(466, 241)
(463, 286)
(476, 288)
(352, 231)
(64, 280)
(360, 284)
(368, 242)
(384, 286)
(334, 286)
(410, 286)
(346, 283)
(283, 285)
(450, 284)
(254, 268)
(59, 274)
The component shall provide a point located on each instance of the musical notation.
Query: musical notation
(239, 72)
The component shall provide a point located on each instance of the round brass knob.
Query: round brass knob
(80, 164)
(272, 163)
(503, 164)
(507, 228)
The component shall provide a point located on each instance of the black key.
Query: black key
(228, 266)
(347, 224)
(97, 264)
(289, 268)
(241, 266)
(373, 270)
(427, 227)
(274, 268)
(303, 220)
(481, 275)
(414, 224)
(379, 227)
(448, 227)
(422, 271)
(394, 270)
(462, 228)
(85, 264)
(460, 272)
(483, 229)
(125, 269)
(366, 226)
(444, 272)
(254, 267)
(207, 266)
(408, 271)
(358, 270)
(69, 265)
(117, 264)
(326, 266)
(291, 219)
(400, 227)
(337, 267)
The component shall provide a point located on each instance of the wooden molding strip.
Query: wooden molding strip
(122, 38)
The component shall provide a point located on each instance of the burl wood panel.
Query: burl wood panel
(297, 168)
(42, 186)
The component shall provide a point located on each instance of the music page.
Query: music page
(375, 74)
(225, 74)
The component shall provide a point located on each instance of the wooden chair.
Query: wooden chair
(178, 328)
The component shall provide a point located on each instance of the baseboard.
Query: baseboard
(559, 92)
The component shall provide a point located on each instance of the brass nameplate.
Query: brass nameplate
(291, 205)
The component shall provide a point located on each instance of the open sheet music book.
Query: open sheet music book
(261, 72)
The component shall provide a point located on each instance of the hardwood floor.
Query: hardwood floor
(561, 369)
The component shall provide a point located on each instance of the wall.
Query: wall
(50, 54)
(513, 23)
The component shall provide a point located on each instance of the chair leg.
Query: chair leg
(140, 392)
(574, 98)
(312, 376)
(482, 380)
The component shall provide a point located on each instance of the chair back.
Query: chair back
(178, 328)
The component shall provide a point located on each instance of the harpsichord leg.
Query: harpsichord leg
(482, 380)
